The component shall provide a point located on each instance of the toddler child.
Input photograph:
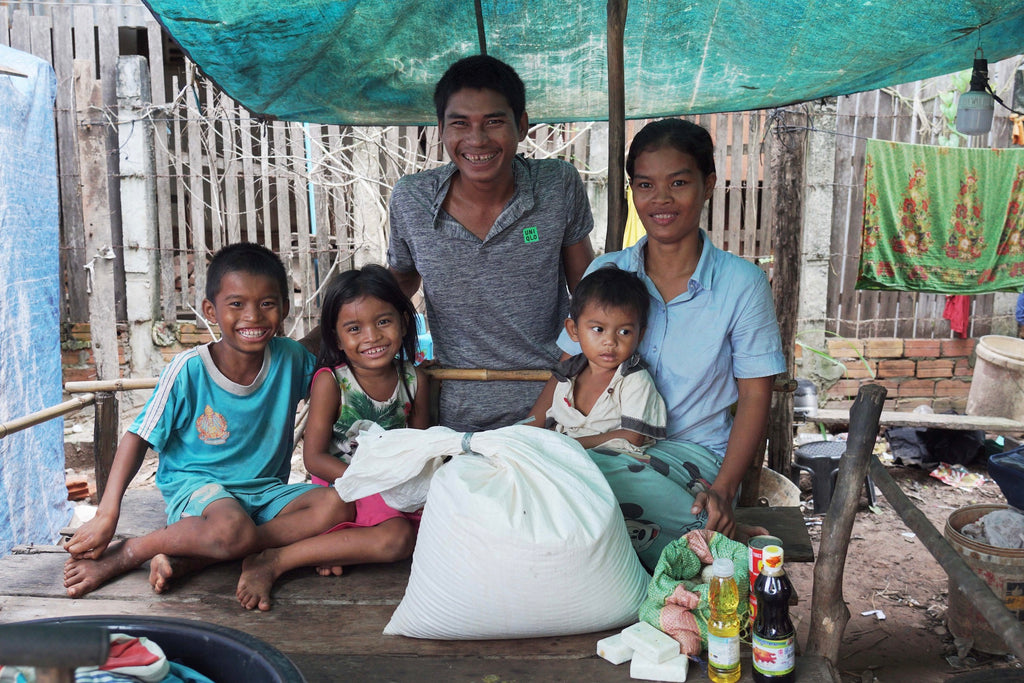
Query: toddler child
(366, 373)
(221, 419)
(604, 396)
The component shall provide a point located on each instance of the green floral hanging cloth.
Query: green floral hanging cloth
(942, 219)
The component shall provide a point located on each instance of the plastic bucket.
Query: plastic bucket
(997, 387)
(1001, 568)
(222, 654)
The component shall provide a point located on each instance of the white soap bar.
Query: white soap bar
(673, 670)
(614, 650)
(650, 642)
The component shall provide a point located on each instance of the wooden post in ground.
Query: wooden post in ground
(788, 147)
(104, 437)
(829, 612)
(616, 125)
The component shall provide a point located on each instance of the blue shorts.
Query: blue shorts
(262, 499)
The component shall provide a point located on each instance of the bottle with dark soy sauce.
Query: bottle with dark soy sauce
(774, 638)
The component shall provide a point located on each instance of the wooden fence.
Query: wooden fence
(317, 194)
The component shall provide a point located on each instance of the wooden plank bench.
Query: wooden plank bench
(895, 418)
(331, 628)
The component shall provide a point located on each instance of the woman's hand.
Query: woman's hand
(719, 511)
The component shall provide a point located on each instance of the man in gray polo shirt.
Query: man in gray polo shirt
(497, 241)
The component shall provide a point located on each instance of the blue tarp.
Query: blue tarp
(33, 495)
(373, 62)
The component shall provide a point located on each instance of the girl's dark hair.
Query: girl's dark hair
(370, 280)
(609, 286)
(685, 136)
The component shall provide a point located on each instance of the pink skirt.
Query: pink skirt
(371, 511)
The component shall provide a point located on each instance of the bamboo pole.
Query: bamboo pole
(434, 372)
(482, 374)
(123, 384)
(40, 416)
(974, 588)
(829, 613)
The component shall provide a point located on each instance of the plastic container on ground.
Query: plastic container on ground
(1001, 568)
(1007, 469)
(997, 387)
(222, 654)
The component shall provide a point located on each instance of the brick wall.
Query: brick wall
(935, 372)
(76, 350)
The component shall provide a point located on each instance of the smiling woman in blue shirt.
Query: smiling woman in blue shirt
(712, 341)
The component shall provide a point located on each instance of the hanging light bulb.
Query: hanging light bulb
(975, 107)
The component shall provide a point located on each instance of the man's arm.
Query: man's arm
(575, 259)
(408, 280)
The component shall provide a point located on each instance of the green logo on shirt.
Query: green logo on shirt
(530, 235)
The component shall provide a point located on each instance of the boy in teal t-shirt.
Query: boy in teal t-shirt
(221, 419)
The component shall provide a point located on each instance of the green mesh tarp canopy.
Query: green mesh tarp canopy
(376, 61)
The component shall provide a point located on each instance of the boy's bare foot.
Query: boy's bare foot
(83, 576)
(259, 572)
(330, 571)
(163, 568)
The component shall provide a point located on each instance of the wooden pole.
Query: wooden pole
(616, 125)
(482, 374)
(123, 384)
(974, 588)
(40, 416)
(829, 612)
(104, 437)
(468, 374)
(787, 179)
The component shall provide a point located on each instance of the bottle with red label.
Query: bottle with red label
(774, 638)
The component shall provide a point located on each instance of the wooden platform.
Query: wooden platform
(330, 627)
(896, 418)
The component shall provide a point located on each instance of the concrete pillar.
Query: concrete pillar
(138, 210)
(817, 223)
(819, 172)
(369, 214)
(597, 188)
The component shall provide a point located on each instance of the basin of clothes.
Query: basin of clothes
(219, 653)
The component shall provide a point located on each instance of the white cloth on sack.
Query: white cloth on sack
(521, 537)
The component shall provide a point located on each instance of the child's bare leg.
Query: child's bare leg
(223, 532)
(312, 513)
(389, 541)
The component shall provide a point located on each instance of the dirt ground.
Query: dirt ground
(887, 569)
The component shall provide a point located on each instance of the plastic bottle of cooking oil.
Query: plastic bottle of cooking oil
(723, 625)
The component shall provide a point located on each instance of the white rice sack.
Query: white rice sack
(398, 464)
(522, 539)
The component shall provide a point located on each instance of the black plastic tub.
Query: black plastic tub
(223, 654)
